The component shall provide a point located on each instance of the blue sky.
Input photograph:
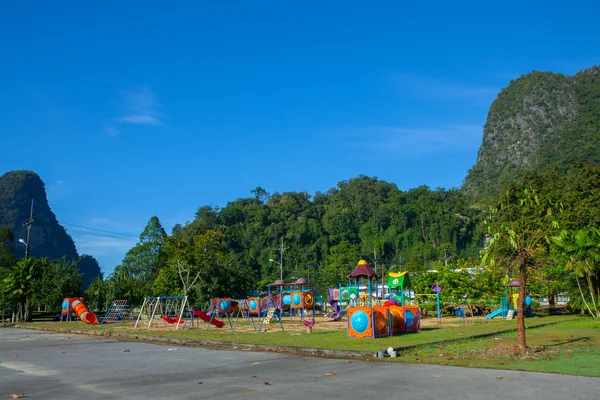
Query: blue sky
(143, 108)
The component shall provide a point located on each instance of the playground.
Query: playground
(41, 365)
(368, 315)
(381, 311)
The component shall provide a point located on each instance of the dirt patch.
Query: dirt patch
(511, 350)
(322, 324)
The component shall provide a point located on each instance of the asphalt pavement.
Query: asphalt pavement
(50, 366)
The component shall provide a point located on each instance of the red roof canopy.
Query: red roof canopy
(363, 270)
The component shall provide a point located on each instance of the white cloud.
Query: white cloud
(408, 142)
(113, 226)
(102, 246)
(112, 132)
(140, 106)
(57, 190)
(140, 119)
(430, 88)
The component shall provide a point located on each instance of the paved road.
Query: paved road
(55, 366)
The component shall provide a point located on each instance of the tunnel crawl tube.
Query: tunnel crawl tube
(83, 313)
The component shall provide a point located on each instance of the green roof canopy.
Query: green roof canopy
(398, 280)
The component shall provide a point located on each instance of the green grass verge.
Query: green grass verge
(450, 329)
(571, 347)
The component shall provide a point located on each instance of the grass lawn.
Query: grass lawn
(571, 347)
(295, 335)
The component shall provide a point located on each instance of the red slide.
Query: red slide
(206, 318)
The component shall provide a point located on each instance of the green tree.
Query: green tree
(519, 228)
(54, 280)
(582, 253)
(96, 294)
(16, 287)
(7, 258)
(144, 259)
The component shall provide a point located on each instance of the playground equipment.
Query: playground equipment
(168, 308)
(373, 321)
(207, 318)
(349, 294)
(302, 299)
(221, 308)
(119, 310)
(334, 300)
(76, 304)
(510, 304)
(272, 305)
(398, 282)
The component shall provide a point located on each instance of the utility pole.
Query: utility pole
(375, 269)
(375, 258)
(281, 249)
(28, 224)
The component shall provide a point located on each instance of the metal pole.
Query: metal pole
(281, 261)
(28, 225)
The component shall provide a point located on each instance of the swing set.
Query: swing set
(170, 309)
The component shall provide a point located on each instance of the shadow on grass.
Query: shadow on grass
(579, 339)
(430, 328)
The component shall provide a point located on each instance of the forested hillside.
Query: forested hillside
(332, 231)
(538, 120)
(48, 238)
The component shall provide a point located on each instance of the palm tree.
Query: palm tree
(582, 252)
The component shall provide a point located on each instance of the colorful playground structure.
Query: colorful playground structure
(169, 309)
(368, 320)
(119, 311)
(295, 298)
(76, 305)
(510, 304)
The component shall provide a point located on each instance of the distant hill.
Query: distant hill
(48, 238)
(539, 119)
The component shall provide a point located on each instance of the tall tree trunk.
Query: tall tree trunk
(583, 297)
(551, 303)
(27, 315)
(521, 307)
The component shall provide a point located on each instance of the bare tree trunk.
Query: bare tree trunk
(591, 288)
(582, 296)
(521, 308)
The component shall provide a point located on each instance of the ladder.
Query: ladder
(269, 315)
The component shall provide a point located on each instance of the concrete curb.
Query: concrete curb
(305, 351)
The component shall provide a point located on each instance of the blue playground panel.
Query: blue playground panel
(360, 321)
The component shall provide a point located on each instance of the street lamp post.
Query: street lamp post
(28, 224)
(280, 262)
(26, 247)
(280, 267)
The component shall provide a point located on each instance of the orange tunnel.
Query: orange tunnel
(82, 311)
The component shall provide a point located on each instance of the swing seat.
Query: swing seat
(308, 322)
(170, 320)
